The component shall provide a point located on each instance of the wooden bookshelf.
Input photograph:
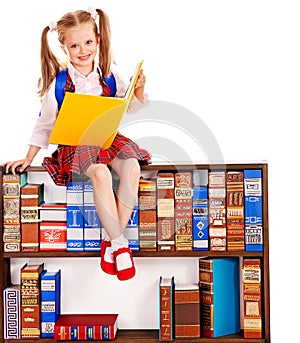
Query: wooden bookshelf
(150, 336)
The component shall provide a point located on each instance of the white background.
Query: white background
(233, 63)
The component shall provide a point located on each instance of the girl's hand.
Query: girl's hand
(11, 166)
(140, 86)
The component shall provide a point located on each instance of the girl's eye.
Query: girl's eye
(74, 46)
(89, 42)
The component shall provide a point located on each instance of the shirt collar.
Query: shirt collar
(75, 74)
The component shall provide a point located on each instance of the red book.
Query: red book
(86, 327)
(166, 309)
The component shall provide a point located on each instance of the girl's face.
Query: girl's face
(80, 44)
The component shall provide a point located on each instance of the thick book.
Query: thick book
(183, 211)
(147, 215)
(86, 327)
(220, 296)
(11, 185)
(253, 210)
(252, 298)
(235, 211)
(30, 300)
(75, 216)
(50, 301)
(53, 212)
(132, 229)
(91, 120)
(165, 211)
(217, 210)
(91, 220)
(53, 236)
(187, 310)
(12, 312)
(166, 304)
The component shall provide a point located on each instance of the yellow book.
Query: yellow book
(91, 120)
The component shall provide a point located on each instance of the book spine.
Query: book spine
(84, 332)
(166, 310)
(132, 229)
(11, 185)
(92, 223)
(252, 298)
(50, 302)
(200, 218)
(253, 210)
(165, 212)
(183, 211)
(30, 302)
(12, 312)
(53, 236)
(187, 313)
(217, 211)
(235, 211)
(75, 216)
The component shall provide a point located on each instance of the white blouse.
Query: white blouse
(83, 85)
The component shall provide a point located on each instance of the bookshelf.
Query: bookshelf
(150, 336)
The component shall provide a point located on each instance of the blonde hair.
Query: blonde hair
(50, 65)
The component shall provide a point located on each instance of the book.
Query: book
(83, 327)
(166, 324)
(187, 310)
(217, 210)
(147, 215)
(132, 229)
(53, 212)
(183, 211)
(91, 120)
(252, 298)
(253, 210)
(235, 211)
(11, 185)
(12, 312)
(165, 211)
(53, 236)
(91, 221)
(220, 294)
(50, 301)
(30, 300)
(75, 216)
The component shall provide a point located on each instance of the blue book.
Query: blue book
(91, 220)
(132, 229)
(75, 216)
(220, 296)
(50, 301)
(253, 210)
(200, 218)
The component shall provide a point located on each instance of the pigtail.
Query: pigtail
(105, 58)
(49, 63)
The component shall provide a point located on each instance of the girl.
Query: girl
(81, 40)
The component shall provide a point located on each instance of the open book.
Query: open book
(91, 120)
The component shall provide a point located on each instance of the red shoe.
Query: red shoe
(124, 264)
(107, 260)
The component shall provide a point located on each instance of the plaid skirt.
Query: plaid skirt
(69, 161)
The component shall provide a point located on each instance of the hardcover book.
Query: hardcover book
(75, 216)
(30, 300)
(217, 210)
(220, 296)
(132, 229)
(235, 211)
(252, 298)
(86, 327)
(200, 218)
(53, 212)
(187, 310)
(253, 210)
(53, 236)
(50, 301)
(12, 312)
(166, 309)
(165, 211)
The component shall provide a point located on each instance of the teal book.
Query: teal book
(220, 296)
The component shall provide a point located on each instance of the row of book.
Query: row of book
(175, 211)
(217, 306)
(32, 310)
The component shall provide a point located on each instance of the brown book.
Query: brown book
(235, 211)
(165, 211)
(187, 310)
(30, 300)
(32, 194)
(252, 298)
(166, 309)
(183, 211)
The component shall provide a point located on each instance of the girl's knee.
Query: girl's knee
(100, 174)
